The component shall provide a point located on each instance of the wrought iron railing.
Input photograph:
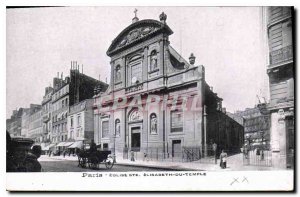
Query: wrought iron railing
(186, 154)
(281, 55)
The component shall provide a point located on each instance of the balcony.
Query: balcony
(46, 117)
(281, 55)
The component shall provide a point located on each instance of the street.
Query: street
(55, 165)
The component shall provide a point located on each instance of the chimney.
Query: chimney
(211, 88)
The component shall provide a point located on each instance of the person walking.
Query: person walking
(132, 155)
(223, 159)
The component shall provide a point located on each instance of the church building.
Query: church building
(158, 102)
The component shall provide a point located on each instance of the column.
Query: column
(205, 130)
(123, 72)
(145, 64)
(161, 56)
(112, 74)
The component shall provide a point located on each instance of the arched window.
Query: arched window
(117, 127)
(153, 60)
(153, 123)
(118, 73)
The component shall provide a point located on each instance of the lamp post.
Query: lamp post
(114, 156)
(262, 142)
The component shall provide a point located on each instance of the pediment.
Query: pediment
(137, 32)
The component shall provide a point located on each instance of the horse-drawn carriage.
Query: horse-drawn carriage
(93, 159)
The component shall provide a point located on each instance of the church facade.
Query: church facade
(157, 101)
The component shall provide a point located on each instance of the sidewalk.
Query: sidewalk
(234, 163)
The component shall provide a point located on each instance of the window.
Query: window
(72, 124)
(78, 120)
(77, 132)
(71, 135)
(63, 103)
(105, 129)
(66, 101)
(105, 146)
(176, 121)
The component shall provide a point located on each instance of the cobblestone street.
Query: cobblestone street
(55, 165)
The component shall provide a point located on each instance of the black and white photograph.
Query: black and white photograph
(114, 97)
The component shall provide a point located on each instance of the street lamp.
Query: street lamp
(114, 156)
(262, 142)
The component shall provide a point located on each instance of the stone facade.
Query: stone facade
(35, 129)
(14, 124)
(279, 27)
(81, 121)
(256, 125)
(46, 113)
(156, 99)
(68, 92)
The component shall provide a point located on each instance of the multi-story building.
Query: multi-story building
(279, 30)
(35, 128)
(256, 125)
(46, 114)
(14, 124)
(68, 92)
(157, 101)
(25, 118)
(81, 122)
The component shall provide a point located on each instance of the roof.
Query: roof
(137, 32)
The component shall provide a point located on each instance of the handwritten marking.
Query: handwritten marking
(235, 180)
(245, 179)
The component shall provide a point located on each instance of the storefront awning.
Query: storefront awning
(51, 145)
(77, 144)
(60, 144)
(68, 144)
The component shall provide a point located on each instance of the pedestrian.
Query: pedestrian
(215, 151)
(145, 156)
(223, 159)
(132, 156)
(246, 151)
(64, 153)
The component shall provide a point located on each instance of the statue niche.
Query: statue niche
(153, 61)
(118, 73)
(153, 124)
(117, 128)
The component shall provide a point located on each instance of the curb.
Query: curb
(160, 167)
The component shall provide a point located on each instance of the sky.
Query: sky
(227, 41)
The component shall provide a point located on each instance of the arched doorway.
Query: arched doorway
(135, 127)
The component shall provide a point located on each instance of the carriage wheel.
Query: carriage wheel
(82, 162)
(109, 163)
(93, 163)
